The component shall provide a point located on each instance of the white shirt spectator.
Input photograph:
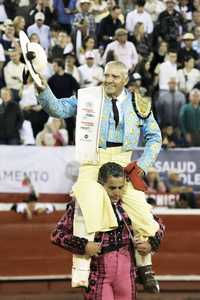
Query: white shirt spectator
(13, 75)
(134, 17)
(90, 76)
(43, 32)
(154, 8)
(167, 71)
(187, 80)
(125, 53)
(97, 57)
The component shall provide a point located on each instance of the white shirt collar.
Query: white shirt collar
(121, 96)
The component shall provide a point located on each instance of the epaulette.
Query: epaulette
(142, 105)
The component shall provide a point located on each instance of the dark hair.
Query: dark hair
(116, 7)
(140, 2)
(187, 58)
(60, 62)
(110, 169)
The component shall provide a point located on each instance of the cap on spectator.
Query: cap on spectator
(136, 76)
(121, 31)
(89, 55)
(39, 16)
(84, 1)
(188, 36)
(8, 22)
(34, 56)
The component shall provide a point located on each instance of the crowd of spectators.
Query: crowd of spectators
(159, 41)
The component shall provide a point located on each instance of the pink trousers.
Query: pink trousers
(116, 278)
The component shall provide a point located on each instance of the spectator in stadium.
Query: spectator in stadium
(124, 50)
(70, 66)
(170, 25)
(195, 21)
(171, 137)
(13, 72)
(139, 15)
(90, 73)
(53, 134)
(99, 10)
(141, 40)
(42, 30)
(135, 84)
(196, 42)
(8, 37)
(152, 179)
(169, 104)
(105, 251)
(186, 200)
(159, 56)
(108, 27)
(84, 23)
(154, 8)
(188, 76)
(143, 68)
(190, 119)
(166, 70)
(11, 8)
(64, 85)
(45, 7)
(62, 47)
(89, 45)
(175, 184)
(11, 119)
(19, 24)
(187, 50)
(30, 206)
(65, 11)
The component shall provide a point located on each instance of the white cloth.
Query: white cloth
(187, 80)
(126, 53)
(154, 8)
(13, 75)
(2, 55)
(88, 123)
(134, 17)
(120, 100)
(167, 71)
(90, 76)
(3, 14)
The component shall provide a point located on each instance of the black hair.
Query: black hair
(109, 169)
(60, 62)
(140, 2)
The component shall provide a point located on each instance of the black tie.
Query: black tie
(115, 112)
